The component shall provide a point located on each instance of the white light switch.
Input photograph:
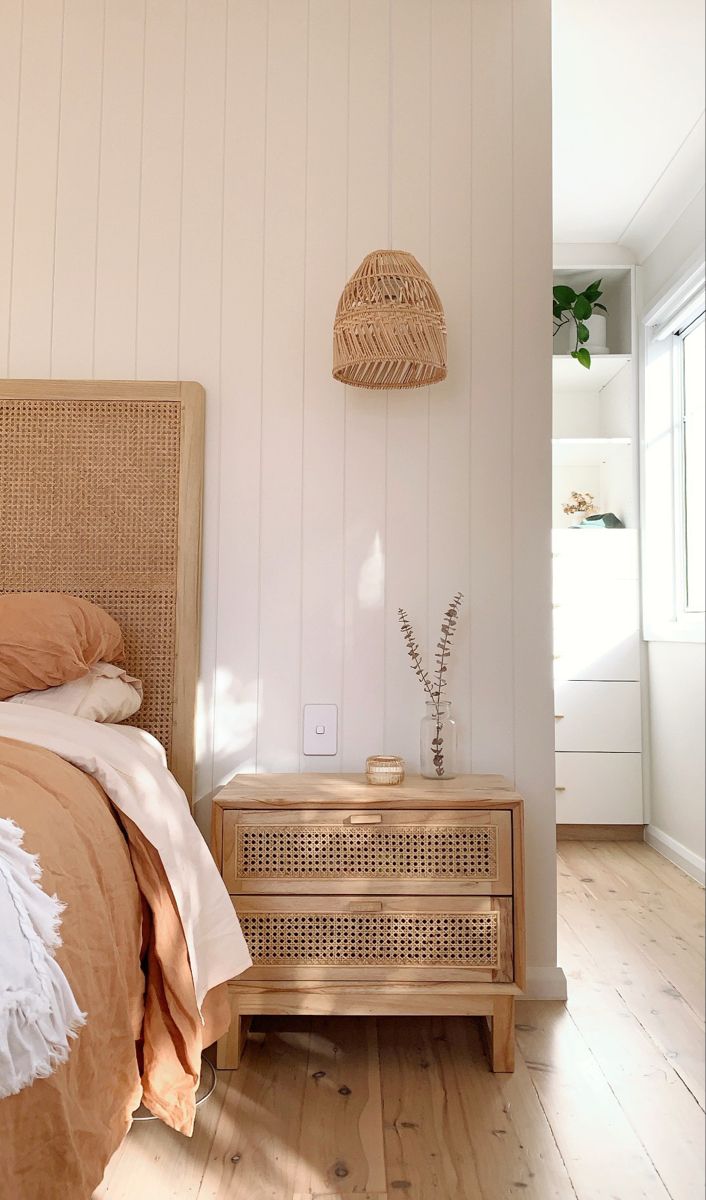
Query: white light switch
(320, 729)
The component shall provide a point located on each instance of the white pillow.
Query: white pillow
(106, 693)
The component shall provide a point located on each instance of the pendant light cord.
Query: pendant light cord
(390, 103)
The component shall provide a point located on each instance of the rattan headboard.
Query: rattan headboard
(100, 496)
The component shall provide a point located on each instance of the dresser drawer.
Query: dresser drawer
(601, 717)
(586, 561)
(359, 851)
(378, 938)
(597, 638)
(599, 789)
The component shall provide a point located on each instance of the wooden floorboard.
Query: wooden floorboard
(606, 1102)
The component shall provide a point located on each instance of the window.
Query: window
(672, 461)
(689, 471)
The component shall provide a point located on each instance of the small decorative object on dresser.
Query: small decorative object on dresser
(361, 900)
(385, 770)
(438, 729)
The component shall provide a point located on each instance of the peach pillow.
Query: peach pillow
(47, 639)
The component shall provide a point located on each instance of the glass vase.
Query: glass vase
(438, 741)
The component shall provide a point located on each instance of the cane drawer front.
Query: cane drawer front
(378, 938)
(360, 851)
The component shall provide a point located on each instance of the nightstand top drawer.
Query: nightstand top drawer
(352, 791)
(422, 851)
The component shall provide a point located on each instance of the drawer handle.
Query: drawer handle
(559, 789)
(558, 716)
(366, 819)
(365, 906)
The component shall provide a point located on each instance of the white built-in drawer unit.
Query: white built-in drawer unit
(604, 789)
(596, 633)
(596, 577)
(585, 560)
(601, 717)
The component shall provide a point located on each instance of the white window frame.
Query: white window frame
(685, 616)
(664, 326)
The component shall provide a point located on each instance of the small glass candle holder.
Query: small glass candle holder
(384, 770)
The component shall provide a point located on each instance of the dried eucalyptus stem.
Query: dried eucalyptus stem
(436, 687)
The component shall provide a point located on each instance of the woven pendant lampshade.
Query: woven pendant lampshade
(390, 330)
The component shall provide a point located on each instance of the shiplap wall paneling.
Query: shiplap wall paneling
(324, 398)
(448, 543)
(408, 411)
(279, 736)
(238, 618)
(77, 190)
(159, 248)
(185, 187)
(365, 459)
(491, 407)
(119, 186)
(35, 190)
(201, 279)
(10, 60)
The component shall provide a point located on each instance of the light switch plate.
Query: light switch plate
(320, 729)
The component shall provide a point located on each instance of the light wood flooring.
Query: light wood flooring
(606, 1102)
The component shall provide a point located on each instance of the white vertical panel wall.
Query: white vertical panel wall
(184, 187)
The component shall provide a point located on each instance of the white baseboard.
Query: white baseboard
(546, 983)
(680, 855)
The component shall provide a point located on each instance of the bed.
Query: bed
(100, 498)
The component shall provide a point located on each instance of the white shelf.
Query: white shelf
(569, 376)
(588, 451)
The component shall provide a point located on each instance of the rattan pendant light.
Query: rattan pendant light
(390, 330)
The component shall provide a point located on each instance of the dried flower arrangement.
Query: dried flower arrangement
(434, 686)
(580, 502)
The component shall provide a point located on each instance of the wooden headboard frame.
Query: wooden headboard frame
(100, 496)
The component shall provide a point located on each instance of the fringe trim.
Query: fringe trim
(38, 1026)
(47, 1065)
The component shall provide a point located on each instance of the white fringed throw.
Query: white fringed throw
(38, 1012)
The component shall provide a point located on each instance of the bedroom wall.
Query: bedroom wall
(185, 188)
(676, 703)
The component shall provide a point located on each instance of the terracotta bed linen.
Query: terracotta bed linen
(57, 1136)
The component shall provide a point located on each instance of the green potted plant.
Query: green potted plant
(578, 308)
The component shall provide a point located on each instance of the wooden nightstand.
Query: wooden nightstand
(386, 901)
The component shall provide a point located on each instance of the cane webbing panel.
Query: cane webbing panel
(372, 939)
(89, 504)
(371, 852)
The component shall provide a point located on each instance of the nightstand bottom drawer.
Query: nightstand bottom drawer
(378, 938)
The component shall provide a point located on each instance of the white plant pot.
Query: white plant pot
(565, 339)
(596, 326)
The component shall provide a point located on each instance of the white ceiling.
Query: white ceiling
(628, 118)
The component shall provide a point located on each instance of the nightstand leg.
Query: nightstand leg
(502, 1034)
(229, 1048)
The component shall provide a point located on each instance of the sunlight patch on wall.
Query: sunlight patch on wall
(371, 579)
